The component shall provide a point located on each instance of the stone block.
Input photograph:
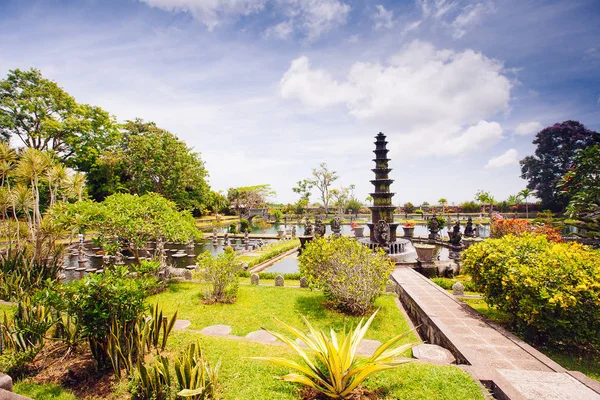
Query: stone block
(254, 279)
(458, 289)
(279, 280)
(303, 282)
(6, 382)
(433, 353)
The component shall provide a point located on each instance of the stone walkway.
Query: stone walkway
(510, 366)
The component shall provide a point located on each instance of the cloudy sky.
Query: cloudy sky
(268, 89)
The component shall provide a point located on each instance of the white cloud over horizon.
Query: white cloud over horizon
(528, 128)
(510, 157)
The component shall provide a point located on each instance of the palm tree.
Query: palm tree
(443, 203)
(524, 194)
(32, 167)
(74, 185)
(369, 199)
(23, 201)
(56, 176)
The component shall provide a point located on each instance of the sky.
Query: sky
(266, 90)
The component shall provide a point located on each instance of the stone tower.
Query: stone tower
(382, 208)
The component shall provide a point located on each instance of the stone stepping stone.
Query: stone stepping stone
(261, 336)
(181, 324)
(193, 266)
(433, 353)
(81, 269)
(69, 268)
(91, 270)
(178, 255)
(216, 330)
(367, 347)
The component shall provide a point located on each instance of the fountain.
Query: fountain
(382, 226)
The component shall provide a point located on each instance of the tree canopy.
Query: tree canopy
(557, 147)
(322, 179)
(151, 159)
(248, 197)
(45, 117)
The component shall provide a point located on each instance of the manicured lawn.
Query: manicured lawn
(274, 249)
(242, 378)
(42, 392)
(257, 305)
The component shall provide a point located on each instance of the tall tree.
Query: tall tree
(151, 159)
(322, 179)
(557, 147)
(45, 117)
(485, 198)
(442, 201)
(242, 199)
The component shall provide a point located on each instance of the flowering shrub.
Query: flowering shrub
(409, 224)
(551, 290)
(517, 227)
(350, 274)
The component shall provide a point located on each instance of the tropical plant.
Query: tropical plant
(550, 290)
(442, 201)
(350, 274)
(219, 275)
(196, 379)
(153, 382)
(408, 208)
(337, 371)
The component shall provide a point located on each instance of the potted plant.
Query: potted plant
(409, 229)
(358, 229)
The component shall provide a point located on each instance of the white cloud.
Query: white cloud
(315, 17)
(419, 86)
(282, 30)
(210, 12)
(528, 128)
(510, 157)
(470, 16)
(383, 18)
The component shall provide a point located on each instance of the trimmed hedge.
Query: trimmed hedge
(291, 276)
(446, 284)
(274, 253)
(551, 290)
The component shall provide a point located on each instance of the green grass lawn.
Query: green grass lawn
(275, 250)
(257, 305)
(243, 378)
(42, 392)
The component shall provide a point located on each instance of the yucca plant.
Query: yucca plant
(337, 370)
(154, 382)
(196, 379)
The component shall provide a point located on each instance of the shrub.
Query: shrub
(447, 283)
(245, 225)
(419, 211)
(289, 276)
(338, 371)
(99, 301)
(470, 207)
(277, 214)
(350, 274)
(280, 249)
(517, 227)
(441, 222)
(408, 207)
(551, 290)
(196, 379)
(233, 228)
(219, 275)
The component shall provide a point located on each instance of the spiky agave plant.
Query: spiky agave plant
(338, 370)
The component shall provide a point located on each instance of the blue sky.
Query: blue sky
(268, 89)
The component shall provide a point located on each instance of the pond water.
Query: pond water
(420, 230)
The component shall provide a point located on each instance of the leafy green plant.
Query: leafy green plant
(350, 274)
(196, 379)
(219, 275)
(28, 327)
(245, 225)
(550, 289)
(337, 371)
(277, 214)
(151, 382)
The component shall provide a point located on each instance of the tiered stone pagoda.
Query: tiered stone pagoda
(382, 226)
(382, 209)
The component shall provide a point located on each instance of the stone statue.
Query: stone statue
(469, 230)
(319, 227)
(336, 226)
(226, 240)
(308, 228)
(382, 233)
(455, 235)
(294, 232)
(434, 227)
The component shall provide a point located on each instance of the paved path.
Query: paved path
(494, 355)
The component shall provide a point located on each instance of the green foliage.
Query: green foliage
(440, 220)
(22, 274)
(551, 290)
(245, 225)
(151, 382)
(232, 228)
(277, 214)
(446, 283)
(44, 117)
(556, 149)
(100, 301)
(150, 159)
(248, 197)
(470, 207)
(196, 379)
(409, 208)
(292, 276)
(14, 363)
(350, 274)
(219, 275)
(419, 211)
(337, 371)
